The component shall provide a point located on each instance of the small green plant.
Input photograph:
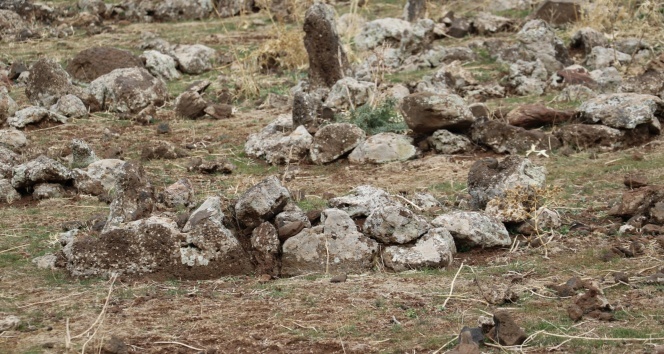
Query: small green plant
(382, 118)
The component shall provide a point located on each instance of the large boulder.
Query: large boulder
(334, 140)
(40, 170)
(278, 143)
(261, 202)
(160, 65)
(384, 30)
(94, 62)
(383, 148)
(624, 110)
(327, 59)
(489, 178)
(362, 201)
(128, 90)
(427, 112)
(393, 224)
(47, 82)
(335, 246)
(194, 59)
(473, 229)
(436, 249)
(133, 196)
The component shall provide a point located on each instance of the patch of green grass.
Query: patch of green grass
(408, 76)
(373, 120)
(312, 203)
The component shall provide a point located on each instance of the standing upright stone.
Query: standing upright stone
(327, 59)
(415, 10)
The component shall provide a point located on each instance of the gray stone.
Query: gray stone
(99, 177)
(414, 10)
(348, 93)
(194, 59)
(448, 143)
(362, 201)
(266, 248)
(133, 196)
(13, 139)
(528, 78)
(541, 42)
(502, 138)
(427, 112)
(608, 79)
(179, 194)
(46, 261)
(436, 249)
(160, 65)
(334, 140)
(291, 213)
(47, 82)
(128, 90)
(425, 201)
(7, 192)
(306, 106)
(418, 38)
(40, 170)
(327, 59)
(585, 136)
(70, 106)
(377, 32)
(575, 93)
(474, 229)
(261, 202)
(34, 115)
(94, 62)
(392, 224)
(9, 157)
(48, 191)
(82, 153)
(383, 148)
(11, 22)
(335, 246)
(7, 105)
(624, 110)
(587, 38)
(179, 10)
(8, 323)
(600, 58)
(278, 143)
(190, 104)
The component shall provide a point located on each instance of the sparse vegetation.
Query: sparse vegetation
(382, 118)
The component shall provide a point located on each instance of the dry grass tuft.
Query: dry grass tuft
(625, 18)
(286, 52)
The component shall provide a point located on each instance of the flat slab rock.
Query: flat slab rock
(426, 112)
(383, 148)
(624, 110)
(362, 201)
(436, 249)
(334, 140)
(474, 229)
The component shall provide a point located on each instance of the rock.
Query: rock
(34, 115)
(335, 246)
(13, 139)
(229, 8)
(646, 202)
(11, 22)
(261, 202)
(587, 38)
(631, 45)
(418, 38)
(341, 278)
(608, 79)
(190, 104)
(327, 59)
(289, 220)
(7, 192)
(160, 65)
(8, 323)
(47, 191)
(383, 148)
(96, 7)
(537, 115)
(448, 143)
(7, 105)
(575, 93)
(194, 59)
(586, 136)
(502, 138)
(99, 177)
(485, 23)
(392, 224)
(506, 331)
(377, 32)
(40, 170)
(266, 248)
(133, 197)
(46, 261)
(414, 10)
(624, 111)
(559, 12)
(82, 153)
(362, 201)
(334, 140)
(94, 62)
(474, 229)
(128, 90)
(635, 180)
(544, 219)
(541, 42)
(277, 143)
(489, 178)
(349, 24)
(305, 109)
(436, 249)
(162, 149)
(594, 304)
(466, 344)
(179, 10)
(427, 112)
(527, 78)
(601, 57)
(70, 106)
(179, 194)
(114, 345)
(219, 111)
(47, 82)
(9, 157)
(457, 27)
(348, 92)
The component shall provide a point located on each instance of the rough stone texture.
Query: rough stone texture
(502, 138)
(99, 177)
(266, 249)
(348, 89)
(377, 32)
(427, 112)
(9, 323)
(327, 58)
(585, 39)
(392, 224)
(178, 194)
(7, 105)
(537, 37)
(418, 38)
(7, 192)
(575, 93)
(13, 139)
(70, 106)
(194, 59)
(94, 62)
(47, 82)
(527, 78)
(334, 140)
(383, 148)
(489, 178)
(585, 136)
(537, 115)
(646, 203)
(436, 249)
(543, 219)
(261, 202)
(190, 104)
(292, 213)
(46, 261)
(506, 331)
(40, 170)
(362, 200)
(10, 22)
(128, 90)
(335, 246)
(160, 65)
(425, 201)
(573, 75)
(608, 79)
(9, 157)
(178, 10)
(278, 143)
(34, 115)
(306, 106)
(414, 10)
(624, 110)
(474, 229)
(162, 149)
(559, 12)
(47, 191)
(445, 142)
(486, 23)
(82, 154)
(600, 58)
(133, 196)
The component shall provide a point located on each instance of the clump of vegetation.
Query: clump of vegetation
(384, 117)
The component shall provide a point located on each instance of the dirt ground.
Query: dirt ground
(377, 312)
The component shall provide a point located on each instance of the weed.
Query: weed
(382, 118)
